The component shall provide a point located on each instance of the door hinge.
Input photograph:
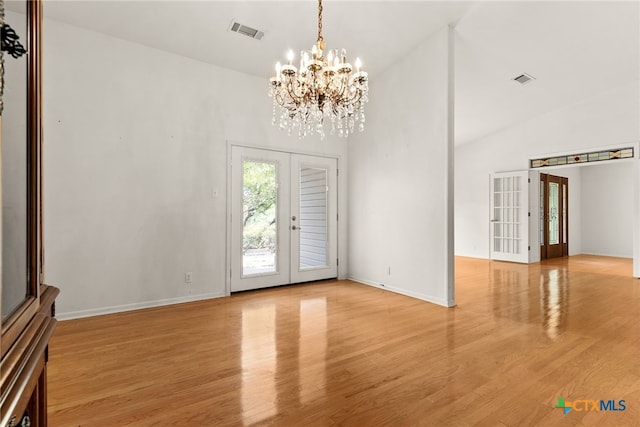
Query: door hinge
(529, 180)
(529, 213)
(337, 217)
(529, 247)
(337, 172)
(337, 261)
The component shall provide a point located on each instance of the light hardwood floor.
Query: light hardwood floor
(342, 353)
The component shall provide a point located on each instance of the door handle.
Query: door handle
(293, 227)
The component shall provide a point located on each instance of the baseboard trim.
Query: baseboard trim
(135, 306)
(471, 256)
(604, 255)
(438, 301)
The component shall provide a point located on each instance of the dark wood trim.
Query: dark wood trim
(34, 124)
(36, 97)
(565, 208)
(16, 322)
(555, 250)
(23, 366)
(13, 327)
(545, 216)
(562, 248)
(37, 406)
(25, 334)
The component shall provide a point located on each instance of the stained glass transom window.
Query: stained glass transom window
(596, 156)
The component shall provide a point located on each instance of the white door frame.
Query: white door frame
(636, 188)
(342, 214)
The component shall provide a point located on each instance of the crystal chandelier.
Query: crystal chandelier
(323, 88)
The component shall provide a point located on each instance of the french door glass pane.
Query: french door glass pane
(506, 214)
(542, 212)
(313, 218)
(259, 212)
(564, 213)
(554, 229)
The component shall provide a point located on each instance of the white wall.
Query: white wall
(607, 209)
(136, 170)
(575, 211)
(609, 118)
(398, 194)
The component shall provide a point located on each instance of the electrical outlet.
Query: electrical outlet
(187, 277)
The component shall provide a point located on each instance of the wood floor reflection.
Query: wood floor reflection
(342, 353)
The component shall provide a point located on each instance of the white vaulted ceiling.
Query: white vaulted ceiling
(574, 49)
(379, 32)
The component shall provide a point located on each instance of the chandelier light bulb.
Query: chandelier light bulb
(324, 91)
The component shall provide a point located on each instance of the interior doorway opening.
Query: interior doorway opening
(599, 188)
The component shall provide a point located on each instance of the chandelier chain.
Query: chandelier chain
(320, 39)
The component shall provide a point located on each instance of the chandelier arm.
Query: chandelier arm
(353, 99)
(291, 91)
(357, 96)
(286, 90)
(342, 89)
(280, 99)
(291, 107)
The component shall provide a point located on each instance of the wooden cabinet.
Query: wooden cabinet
(27, 306)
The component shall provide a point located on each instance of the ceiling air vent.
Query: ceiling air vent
(237, 27)
(524, 78)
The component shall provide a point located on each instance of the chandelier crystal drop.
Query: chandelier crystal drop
(324, 88)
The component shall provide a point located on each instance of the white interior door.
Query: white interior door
(509, 228)
(283, 218)
(314, 218)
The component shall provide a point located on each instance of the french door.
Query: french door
(283, 218)
(554, 218)
(509, 228)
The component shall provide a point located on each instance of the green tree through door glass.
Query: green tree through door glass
(259, 211)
